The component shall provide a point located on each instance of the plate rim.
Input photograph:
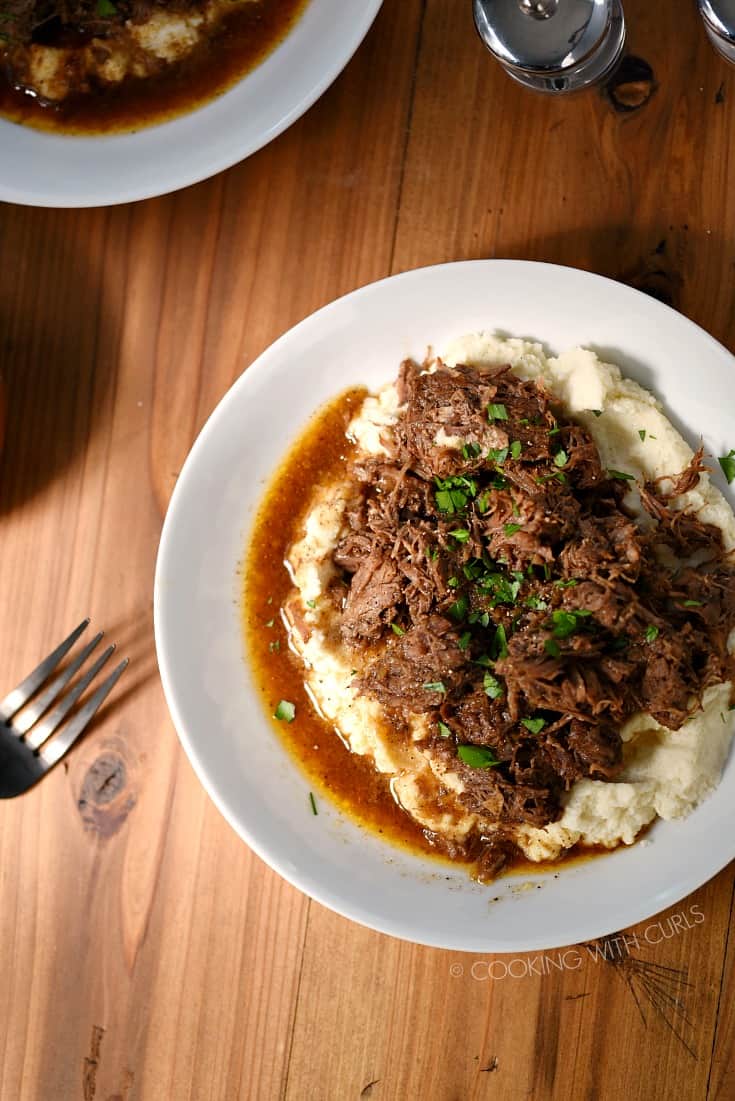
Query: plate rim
(307, 884)
(91, 198)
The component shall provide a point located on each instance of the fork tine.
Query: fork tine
(28, 687)
(55, 750)
(49, 723)
(44, 699)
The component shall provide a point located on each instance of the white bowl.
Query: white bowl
(261, 791)
(57, 170)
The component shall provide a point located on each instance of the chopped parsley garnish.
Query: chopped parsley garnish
(397, 630)
(552, 648)
(727, 462)
(470, 450)
(482, 618)
(642, 433)
(460, 534)
(511, 529)
(274, 647)
(312, 800)
(536, 602)
(270, 622)
(477, 756)
(472, 570)
(555, 430)
(497, 455)
(434, 686)
(496, 412)
(105, 8)
(562, 584)
(458, 611)
(464, 640)
(311, 603)
(453, 582)
(652, 632)
(444, 730)
(534, 725)
(565, 623)
(432, 554)
(286, 711)
(561, 458)
(493, 687)
(500, 645)
(692, 603)
(452, 494)
(483, 502)
(621, 476)
(597, 412)
(515, 449)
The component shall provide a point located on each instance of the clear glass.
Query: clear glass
(553, 46)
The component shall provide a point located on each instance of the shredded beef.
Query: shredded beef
(497, 583)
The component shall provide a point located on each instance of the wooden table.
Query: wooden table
(145, 953)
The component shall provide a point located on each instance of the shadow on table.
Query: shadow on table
(57, 352)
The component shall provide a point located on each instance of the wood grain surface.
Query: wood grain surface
(145, 953)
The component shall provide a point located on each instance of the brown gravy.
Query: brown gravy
(336, 774)
(242, 41)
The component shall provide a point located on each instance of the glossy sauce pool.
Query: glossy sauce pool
(335, 773)
(240, 43)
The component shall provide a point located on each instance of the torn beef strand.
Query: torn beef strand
(497, 585)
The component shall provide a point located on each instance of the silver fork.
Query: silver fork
(27, 750)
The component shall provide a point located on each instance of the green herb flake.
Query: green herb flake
(515, 449)
(621, 476)
(536, 603)
(555, 430)
(470, 450)
(597, 412)
(434, 686)
(692, 603)
(397, 630)
(552, 648)
(312, 801)
(444, 731)
(483, 502)
(501, 641)
(511, 529)
(464, 640)
(652, 632)
(453, 582)
(642, 433)
(535, 726)
(444, 500)
(496, 412)
(311, 603)
(492, 686)
(105, 9)
(565, 623)
(561, 458)
(727, 462)
(285, 712)
(270, 622)
(562, 584)
(477, 756)
(458, 611)
(497, 455)
(274, 647)
(460, 534)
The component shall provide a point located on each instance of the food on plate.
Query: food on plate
(111, 64)
(514, 599)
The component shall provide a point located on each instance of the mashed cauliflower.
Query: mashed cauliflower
(666, 773)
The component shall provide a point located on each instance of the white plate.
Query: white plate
(45, 169)
(361, 339)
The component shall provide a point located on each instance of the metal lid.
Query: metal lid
(542, 36)
(719, 15)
